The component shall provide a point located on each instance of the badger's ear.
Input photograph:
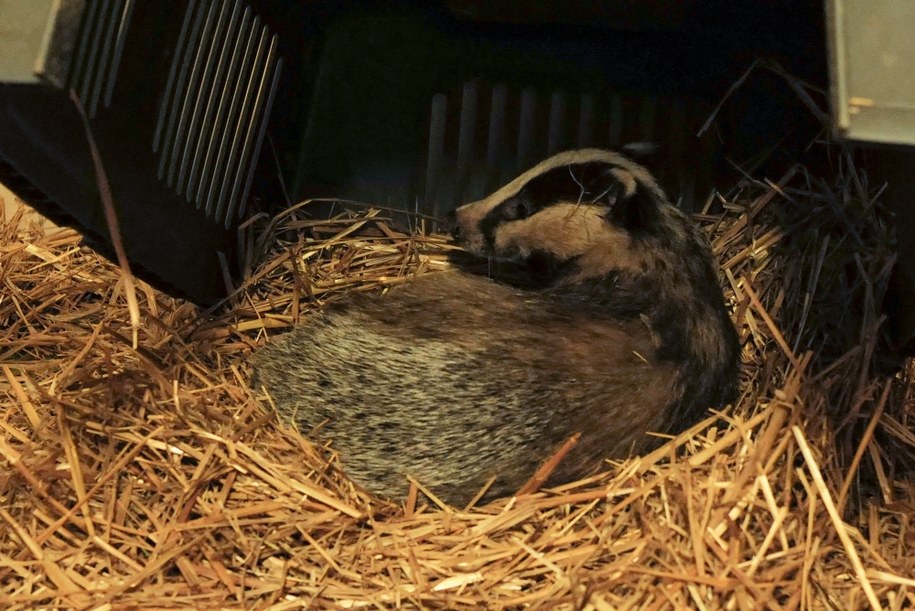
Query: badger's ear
(632, 205)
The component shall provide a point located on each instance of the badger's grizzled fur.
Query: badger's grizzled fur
(458, 378)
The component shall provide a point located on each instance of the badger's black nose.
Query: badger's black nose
(452, 226)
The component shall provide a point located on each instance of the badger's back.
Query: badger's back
(455, 378)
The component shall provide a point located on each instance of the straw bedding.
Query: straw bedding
(154, 477)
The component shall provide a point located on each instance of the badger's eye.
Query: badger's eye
(516, 208)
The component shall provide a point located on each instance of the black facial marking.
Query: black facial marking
(543, 268)
(451, 225)
(516, 208)
(538, 271)
(586, 183)
(637, 213)
(513, 209)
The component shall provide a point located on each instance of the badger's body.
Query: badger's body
(458, 378)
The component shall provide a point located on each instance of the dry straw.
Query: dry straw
(154, 477)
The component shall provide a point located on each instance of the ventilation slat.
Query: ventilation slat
(208, 125)
(176, 102)
(203, 104)
(263, 115)
(123, 25)
(109, 24)
(498, 111)
(526, 128)
(216, 156)
(615, 135)
(213, 116)
(260, 93)
(218, 189)
(87, 48)
(586, 121)
(237, 119)
(435, 156)
(226, 97)
(648, 112)
(466, 136)
(182, 49)
(556, 131)
(99, 46)
(187, 104)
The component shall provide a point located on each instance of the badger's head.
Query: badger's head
(584, 205)
(608, 234)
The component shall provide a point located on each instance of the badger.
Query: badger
(461, 380)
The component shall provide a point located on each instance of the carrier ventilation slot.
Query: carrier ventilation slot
(214, 111)
(481, 137)
(98, 52)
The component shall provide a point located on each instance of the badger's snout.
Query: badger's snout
(465, 227)
(452, 227)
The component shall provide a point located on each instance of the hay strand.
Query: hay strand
(111, 219)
